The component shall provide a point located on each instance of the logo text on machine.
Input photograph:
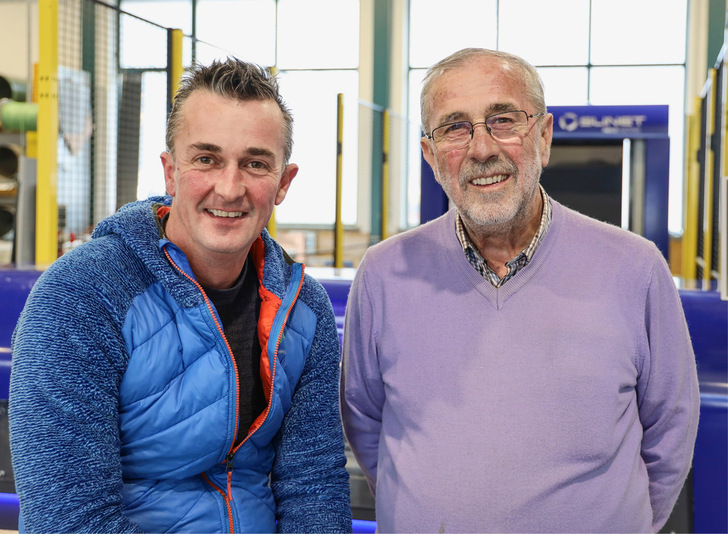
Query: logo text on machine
(570, 122)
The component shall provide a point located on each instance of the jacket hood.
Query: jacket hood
(135, 224)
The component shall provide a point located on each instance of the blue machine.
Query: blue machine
(646, 129)
(707, 317)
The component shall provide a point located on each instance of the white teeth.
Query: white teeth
(490, 180)
(220, 213)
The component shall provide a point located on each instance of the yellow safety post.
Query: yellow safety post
(724, 106)
(722, 252)
(46, 202)
(338, 224)
(708, 191)
(272, 223)
(175, 41)
(31, 137)
(385, 174)
(692, 191)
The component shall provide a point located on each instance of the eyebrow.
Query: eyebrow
(254, 151)
(216, 149)
(498, 107)
(209, 147)
(452, 117)
(501, 107)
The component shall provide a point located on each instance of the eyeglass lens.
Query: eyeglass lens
(501, 126)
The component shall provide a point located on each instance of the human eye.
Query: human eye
(457, 128)
(502, 119)
(258, 167)
(454, 130)
(506, 122)
(204, 160)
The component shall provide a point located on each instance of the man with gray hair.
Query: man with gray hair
(179, 372)
(514, 366)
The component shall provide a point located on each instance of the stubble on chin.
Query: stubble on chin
(508, 207)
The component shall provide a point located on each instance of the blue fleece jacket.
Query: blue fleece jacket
(124, 396)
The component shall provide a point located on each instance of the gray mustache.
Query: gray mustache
(489, 167)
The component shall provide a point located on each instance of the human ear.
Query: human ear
(429, 155)
(547, 133)
(169, 174)
(289, 173)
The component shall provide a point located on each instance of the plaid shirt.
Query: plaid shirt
(517, 263)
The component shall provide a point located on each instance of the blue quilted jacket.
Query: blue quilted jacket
(124, 396)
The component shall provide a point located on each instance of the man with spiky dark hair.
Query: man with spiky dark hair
(178, 373)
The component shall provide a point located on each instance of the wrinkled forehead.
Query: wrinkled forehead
(479, 86)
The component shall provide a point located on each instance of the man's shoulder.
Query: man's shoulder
(314, 293)
(108, 268)
(602, 243)
(94, 258)
(419, 242)
(98, 267)
(577, 224)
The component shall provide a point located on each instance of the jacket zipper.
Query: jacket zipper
(228, 496)
(274, 366)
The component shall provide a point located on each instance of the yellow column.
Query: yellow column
(338, 224)
(708, 191)
(385, 174)
(176, 67)
(692, 187)
(46, 203)
(272, 223)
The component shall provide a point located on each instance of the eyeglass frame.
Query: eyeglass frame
(484, 123)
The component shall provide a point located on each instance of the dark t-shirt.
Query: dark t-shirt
(239, 309)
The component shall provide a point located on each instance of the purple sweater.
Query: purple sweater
(567, 400)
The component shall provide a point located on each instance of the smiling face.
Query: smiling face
(494, 184)
(227, 174)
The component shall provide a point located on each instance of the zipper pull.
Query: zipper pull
(229, 470)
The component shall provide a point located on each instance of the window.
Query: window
(247, 29)
(602, 52)
(315, 57)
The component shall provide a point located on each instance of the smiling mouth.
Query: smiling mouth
(489, 180)
(221, 213)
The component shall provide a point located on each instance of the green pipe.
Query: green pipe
(18, 116)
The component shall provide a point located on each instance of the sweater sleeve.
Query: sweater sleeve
(309, 478)
(669, 400)
(68, 360)
(362, 388)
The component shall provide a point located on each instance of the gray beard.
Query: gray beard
(498, 210)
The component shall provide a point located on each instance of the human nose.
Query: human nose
(474, 126)
(482, 145)
(230, 183)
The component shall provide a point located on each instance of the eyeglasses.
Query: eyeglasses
(506, 125)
